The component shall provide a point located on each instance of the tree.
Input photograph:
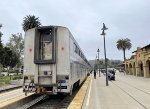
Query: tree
(95, 66)
(30, 21)
(107, 61)
(113, 64)
(124, 44)
(1, 36)
(16, 44)
(9, 58)
(1, 45)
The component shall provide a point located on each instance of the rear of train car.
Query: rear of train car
(49, 61)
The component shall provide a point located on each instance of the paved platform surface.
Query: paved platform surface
(77, 101)
(127, 92)
(11, 97)
(5, 87)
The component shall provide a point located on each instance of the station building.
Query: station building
(139, 63)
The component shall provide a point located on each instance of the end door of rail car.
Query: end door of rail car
(44, 60)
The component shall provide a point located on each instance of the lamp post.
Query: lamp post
(103, 33)
(98, 62)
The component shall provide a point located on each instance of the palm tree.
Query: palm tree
(124, 44)
(30, 21)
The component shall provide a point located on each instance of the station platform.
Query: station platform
(6, 87)
(127, 92)
(12, 96)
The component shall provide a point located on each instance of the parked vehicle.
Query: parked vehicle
(111, 75)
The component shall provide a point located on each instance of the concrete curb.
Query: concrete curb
(19, 102)
(9, 88)
(78, 100)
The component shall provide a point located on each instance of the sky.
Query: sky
(84, 18)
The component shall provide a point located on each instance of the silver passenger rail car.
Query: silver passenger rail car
(53, 61)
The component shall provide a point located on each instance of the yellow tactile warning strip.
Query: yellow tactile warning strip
(79, 98)
(10, 101)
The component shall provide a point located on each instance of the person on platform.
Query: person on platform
(113, 72)
(94, 74)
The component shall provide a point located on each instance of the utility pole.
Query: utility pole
(98, 62)
(103, 33)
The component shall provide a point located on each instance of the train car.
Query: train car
(53, 61)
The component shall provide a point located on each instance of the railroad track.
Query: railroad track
(44, 101)
(135, 87)
(130, 95)
(51, 102)
(59, 101)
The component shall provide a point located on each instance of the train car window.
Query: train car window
(44, 45)
(76, 48)
(82, 56)
(79, 52)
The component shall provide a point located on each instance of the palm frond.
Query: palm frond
(30, 21)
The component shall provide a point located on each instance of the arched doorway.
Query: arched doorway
(141, 71)
(148, 68)
(134, 69)
(127, 69)
(130, 69)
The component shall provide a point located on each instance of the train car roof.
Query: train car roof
(44, 27)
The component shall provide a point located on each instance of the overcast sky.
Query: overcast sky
(84, 18)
